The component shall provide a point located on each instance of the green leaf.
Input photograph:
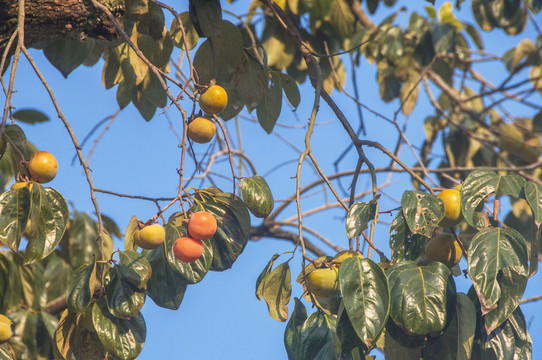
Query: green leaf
(166, 287)
(292, 333)
(82, 245)
(349, 343)
(443, 37)
(30, 116)
(422, 297)
(252, 82)
(56, 275)
(129, 234)
(422, 211)
(341, 19)
(394, 350)
(10, 279)
(510, 340)
(533, 195)
(6, 353)
(260, 282)
(135, 268)
(511, 184)
(257, 196)
(228, 49)
(404, 244)
(290, 89)
(475, 35)
(49, 217)
(66, 54)
(76, 342)
(19, 147)
(14, 212)
(317, 340)
(366, 297)
(279, 47)
(268, 110)
(497, 264)
(233, 229)
(152, 90)
(124, 300)
(144, 106)
(359, 215)
(409, 93)
(112, 72)
(125, 93)
(479, 184)
(192, 37)
(81, 288)
(193, 272)
(277, 291)
(206, 16)
(123, 338)
(456, 341)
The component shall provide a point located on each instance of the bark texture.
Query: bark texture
(50, 19)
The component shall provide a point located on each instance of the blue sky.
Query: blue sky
(220, 318)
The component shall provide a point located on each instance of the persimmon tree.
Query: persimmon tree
(72, 294)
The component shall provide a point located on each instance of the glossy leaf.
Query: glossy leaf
(135, 268)
(233, 229)
(166, 287)
(14, 212)
(129, 243)
(457, 340)
(349, 345)
(533, 195)
(123, 338)
(292, 333)
(193, 272)
(366, 297)
(422, 212)
(81, 288)
(404, 244)
(359, 215)
(124, 300)
(257, 196)
(510, 184)
(510, 340)
(497, 264)
(30, 116)
(478, 185)
(421, 296)
(317, 340)
(49, 217)
(277, 290)
(260, 282)
(82, 245)
(76, 342)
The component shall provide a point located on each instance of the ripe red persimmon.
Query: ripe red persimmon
(202, 225)
(187, 249)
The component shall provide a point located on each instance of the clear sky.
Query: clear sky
(220, 318)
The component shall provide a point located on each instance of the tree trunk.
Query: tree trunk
(50, 19)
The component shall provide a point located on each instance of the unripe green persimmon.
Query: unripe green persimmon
(443, 248)
(150, 237)
(323, 282)
(345, 254)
